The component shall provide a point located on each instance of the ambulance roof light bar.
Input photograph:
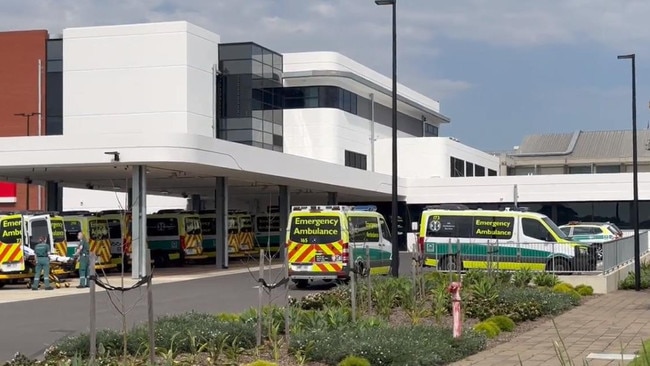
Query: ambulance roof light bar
(320, 208)
(369, 208)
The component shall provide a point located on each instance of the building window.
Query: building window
(356, 160)
(580, 169)
(469, 169)
(492, 173)
(479, 171)
(457, 167)
(430, 130)
(608, 168)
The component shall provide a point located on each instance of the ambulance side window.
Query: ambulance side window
(72, 229)
(534, 229)
(385, 232)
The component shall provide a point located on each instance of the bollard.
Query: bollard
(454, 290)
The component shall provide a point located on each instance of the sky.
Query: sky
(501, 69)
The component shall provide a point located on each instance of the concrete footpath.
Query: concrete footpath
(13, 293)
(605, 326)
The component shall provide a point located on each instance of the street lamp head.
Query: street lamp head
(385, 2)
(621, 57)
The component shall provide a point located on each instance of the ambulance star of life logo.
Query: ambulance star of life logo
(435, 225)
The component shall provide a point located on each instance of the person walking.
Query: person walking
(42, 252)
(83, 254)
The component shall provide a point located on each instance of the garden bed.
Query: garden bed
(405, 324)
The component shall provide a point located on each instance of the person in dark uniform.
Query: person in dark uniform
(83, 254)
(42, 251)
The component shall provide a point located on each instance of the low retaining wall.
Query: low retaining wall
(604, 283)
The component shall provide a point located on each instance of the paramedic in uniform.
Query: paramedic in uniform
(42, 252)
(83, 254)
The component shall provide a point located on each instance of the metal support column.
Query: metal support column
(195, 203)
(221, 209)
(284, 203)
(332, 198)
(140, 265)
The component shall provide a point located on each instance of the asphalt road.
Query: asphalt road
(30, 327)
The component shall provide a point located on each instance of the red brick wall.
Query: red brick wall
(21, 51)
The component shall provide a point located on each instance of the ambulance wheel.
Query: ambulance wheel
(2, 284)
(449, 263)
(302, 283)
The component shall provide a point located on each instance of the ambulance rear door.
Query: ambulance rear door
(37, 226)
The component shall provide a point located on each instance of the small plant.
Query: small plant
(503, 322)
(262, 363)
(490, 329)
(354, 361)
(440, 302)
(585, 290)
(228, 317)
(546, 279)
(522, 277)
(562, 287)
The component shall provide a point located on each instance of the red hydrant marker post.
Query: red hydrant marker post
(454, 290)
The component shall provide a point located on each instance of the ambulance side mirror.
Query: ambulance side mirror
(414, 226)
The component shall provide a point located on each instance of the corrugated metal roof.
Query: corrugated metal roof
(590, 144)
(557, 142)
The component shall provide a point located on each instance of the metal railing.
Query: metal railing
(619, 252)
(456, 254)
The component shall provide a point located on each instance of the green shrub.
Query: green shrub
(262, 363)
(354, 361)
(108, 339)
(182, 333)
(490, 329)
(629, 283)
(228, 317)
(388, 346)
(522, 277)
(563, 287)
(545, 279)
(503, 322)
(20, 359)
(520, 304)
(585, 290)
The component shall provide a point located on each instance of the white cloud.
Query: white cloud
(361, 30)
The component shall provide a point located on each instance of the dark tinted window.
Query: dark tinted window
(534, 229)
(162, 226)
(192, 225)
(114, 229)
(98, 229)
(72, 229)
(10, 231)
(356, 160)
(479, 171)
(58, 230)
(315, 229)
(364, 229)
(266, 223)
(450, 226)
(209, 225)
(487, 227)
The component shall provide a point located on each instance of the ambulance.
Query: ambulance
(17, 230)
(458, 238)
(324, 242)
(241, 239)
(267, 229)
(119, 234)
(174, 236)
(95, 229)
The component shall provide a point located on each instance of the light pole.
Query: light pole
(635, 179)
(394, 241)
(28, 116)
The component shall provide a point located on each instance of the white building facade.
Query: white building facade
(178, 78)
